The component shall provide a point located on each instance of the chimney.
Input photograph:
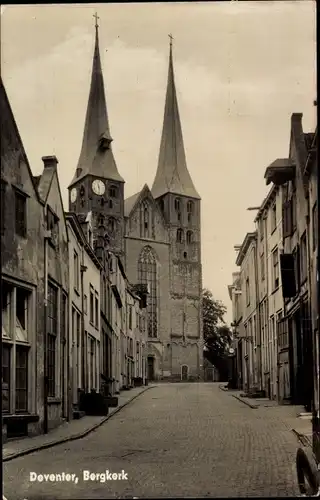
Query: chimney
(296, 118)
(50, 161)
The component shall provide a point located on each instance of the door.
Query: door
(150, 368)
(184, 372)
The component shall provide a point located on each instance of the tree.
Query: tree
(217, 334)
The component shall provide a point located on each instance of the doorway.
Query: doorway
(184, 372)
(150, 368)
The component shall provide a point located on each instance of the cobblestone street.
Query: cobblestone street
(174, 440)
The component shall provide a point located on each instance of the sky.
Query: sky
(241, 70)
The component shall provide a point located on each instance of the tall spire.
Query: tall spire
(172, 173)
(96, 157)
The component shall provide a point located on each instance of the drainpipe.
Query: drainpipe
(258, 325)
(83, 269)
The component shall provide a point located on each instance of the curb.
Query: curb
(75, 436)
(303, 439)
(254, 407)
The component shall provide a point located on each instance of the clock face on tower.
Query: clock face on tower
(98, 187)
(73, 195)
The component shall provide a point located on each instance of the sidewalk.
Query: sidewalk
(294, 416)
(68, 431)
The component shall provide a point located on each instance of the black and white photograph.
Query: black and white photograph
(160, 288)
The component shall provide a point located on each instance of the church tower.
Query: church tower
(97, 186)
(179, 202)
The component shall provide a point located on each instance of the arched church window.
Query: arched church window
(111, 224)
(190, 207)
(189, 237)
(147, 275)
(162, 205)
(110, 204)
(82, 191)
(113, 191)
(100, 220)
(177, 205)
(179, 235)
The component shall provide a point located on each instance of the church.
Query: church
(156, 232)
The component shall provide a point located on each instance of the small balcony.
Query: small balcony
(280, 172)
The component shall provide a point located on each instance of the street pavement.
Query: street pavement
(174, 440)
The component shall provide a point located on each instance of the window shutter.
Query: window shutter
(288, 275)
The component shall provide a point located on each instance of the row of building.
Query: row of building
(274, 294)
(59, 297)
(103, 296)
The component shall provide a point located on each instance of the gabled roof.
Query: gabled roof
(172, 174)
(131, 203)
(73, 219)
(249, 237)
(9, 126)
(96, 156)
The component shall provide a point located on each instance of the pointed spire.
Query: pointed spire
(172, 174)
(96, 157)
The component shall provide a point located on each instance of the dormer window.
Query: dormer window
(179, 235)
(113, 192)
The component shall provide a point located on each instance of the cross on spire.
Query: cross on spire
(171, 38)
(96, 18)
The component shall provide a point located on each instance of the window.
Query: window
(273, 217)
(248, 291)
(111, 224)
(76, 270)
(90, 237)
(147, 274)
(303, 258)
(52, 338)
(179, 235)
(6, 358)
(315, 223)
(161, 205)
(130, 317)
(177, 207)
(287, 218)
(91, 306)
(189, 237)
(3, 205)
(85, 304)
(296, 257)
(145, 219)
(92, 363)
(101, 220)
(15, 326)
(21, 214)
(113, 191)
(261, 228)
(96, 312)
(53, 226)
(275, 265)
(190, 210)
(21, 378)
(262, 266)
(294, 211)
